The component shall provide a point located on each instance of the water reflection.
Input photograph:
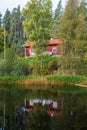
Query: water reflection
(70, 115)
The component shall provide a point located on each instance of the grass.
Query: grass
(66, 78)
(50, 81)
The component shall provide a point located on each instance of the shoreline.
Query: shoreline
(81, 85)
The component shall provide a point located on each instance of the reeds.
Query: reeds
(66, 78)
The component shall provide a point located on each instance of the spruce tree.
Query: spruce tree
(0, 19)
(1, 34)
(6, 20)
(56, 18)
(6, 24)
(16, 29)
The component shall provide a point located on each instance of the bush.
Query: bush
(41, 64)
(21, 67)
(6, 65)
(3, 68)
(44, 64)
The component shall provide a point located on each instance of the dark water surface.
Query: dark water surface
(70, 115)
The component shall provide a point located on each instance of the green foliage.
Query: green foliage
(85, 57)
(39, 65)
(20, 68)
(81, 30)
(0, 19)
(82, 67)
(66, 78)
(56, 18)
(53, 65)
(1, 39)
(67, 26)
(37, 22)
(44, 64)
(6, 20)
(6, 24)
(73, 32)
(15, 29)
(7, 79)
(2, 67)
(10, 58)
(6, 65)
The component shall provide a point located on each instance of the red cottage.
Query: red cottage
(52, 49)
(54, 46)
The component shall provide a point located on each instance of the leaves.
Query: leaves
(37, 20)
(72, 29)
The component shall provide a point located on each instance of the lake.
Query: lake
(62, 108)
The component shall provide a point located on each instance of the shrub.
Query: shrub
(20, 68)
(3, 68)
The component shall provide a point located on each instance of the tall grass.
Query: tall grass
(66, 78)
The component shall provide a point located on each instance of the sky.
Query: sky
(10, 4)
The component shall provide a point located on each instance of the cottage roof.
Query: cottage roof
(51, 42)
(55, 41)
(27, 44)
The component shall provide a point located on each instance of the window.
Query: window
(54, 49)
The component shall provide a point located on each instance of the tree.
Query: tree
(6, 24)
(1, 34)
(67, 25)
(16, 30)
(56, 17)
(1, 39)
(0, 19)
(37, 22)
(6, 20)
(67, 32)
(81, 36)
(73, 32)
(81, 29)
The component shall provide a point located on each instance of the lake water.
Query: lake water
(70, 112)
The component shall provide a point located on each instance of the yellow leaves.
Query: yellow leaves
(85, 57)
(2, 31)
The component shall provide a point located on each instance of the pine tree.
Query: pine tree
(6, 20)
(0, 19)
(1, 34)
(6, 25)
(16, 29)
(56, 17)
